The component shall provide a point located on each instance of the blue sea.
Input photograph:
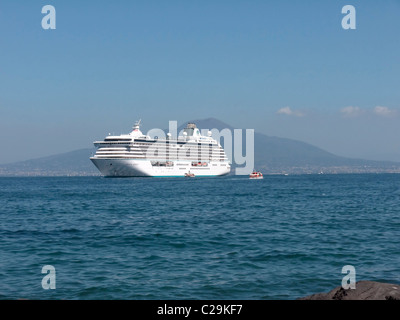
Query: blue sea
(283, 237)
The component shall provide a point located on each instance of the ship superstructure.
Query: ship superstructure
(139, 155)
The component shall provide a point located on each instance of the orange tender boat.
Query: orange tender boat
(256, 175)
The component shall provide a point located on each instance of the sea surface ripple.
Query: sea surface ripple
(283, 237)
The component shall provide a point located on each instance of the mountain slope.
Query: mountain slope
(75, 163)
(276, 155)
(272, 155)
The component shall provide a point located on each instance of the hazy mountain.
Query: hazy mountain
(272, 155)
(281, 155)
(73, 163)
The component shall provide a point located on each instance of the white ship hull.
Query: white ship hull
(143, 168)
(139, 155)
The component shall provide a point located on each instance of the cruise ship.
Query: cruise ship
(139, 155)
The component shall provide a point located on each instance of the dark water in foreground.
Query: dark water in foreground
(204, 238)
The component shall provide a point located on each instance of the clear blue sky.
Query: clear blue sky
(284, 68)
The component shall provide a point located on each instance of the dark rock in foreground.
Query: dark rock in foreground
(365, 290)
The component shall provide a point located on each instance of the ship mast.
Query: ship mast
(136, 126)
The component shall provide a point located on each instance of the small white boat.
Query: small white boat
(256, 175)
(189, 175)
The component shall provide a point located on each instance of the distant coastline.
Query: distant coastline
(272, 155)
(89, 174)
